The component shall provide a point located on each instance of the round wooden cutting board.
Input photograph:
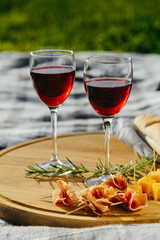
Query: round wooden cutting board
(28, 201)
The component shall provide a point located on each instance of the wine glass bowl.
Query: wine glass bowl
(52, 73)
(107, 82)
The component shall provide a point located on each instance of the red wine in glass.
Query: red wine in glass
(107, 95)
(53, 84)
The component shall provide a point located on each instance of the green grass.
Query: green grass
(110, 25)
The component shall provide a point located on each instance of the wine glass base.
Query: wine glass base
(96, 180)
(51, 164)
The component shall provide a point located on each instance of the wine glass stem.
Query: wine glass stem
(107, 126)
(54, 156)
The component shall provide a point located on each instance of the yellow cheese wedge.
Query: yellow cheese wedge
(155, 175)
(135, 188)
(146, 184)
(156, 191)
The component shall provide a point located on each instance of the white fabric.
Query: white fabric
(120, 232)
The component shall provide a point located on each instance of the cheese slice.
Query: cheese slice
(156, 191)
(146, 184)
(155, 175)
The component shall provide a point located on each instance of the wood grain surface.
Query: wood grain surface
(27, 201)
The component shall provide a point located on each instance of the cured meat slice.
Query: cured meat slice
(135, 201)
(91, 202)
(103, 191)
(64, 194)
(116, 181)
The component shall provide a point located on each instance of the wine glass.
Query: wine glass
(107, 82)
(52, 73)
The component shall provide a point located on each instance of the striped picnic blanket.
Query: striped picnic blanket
(24, 117)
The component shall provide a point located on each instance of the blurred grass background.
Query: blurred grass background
(80, 25)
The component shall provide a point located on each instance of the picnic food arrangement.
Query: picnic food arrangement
(113, 191)
(100, 198)
(20, 206)
(123, 190)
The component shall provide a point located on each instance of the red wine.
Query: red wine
(53, 84)
(107, 96)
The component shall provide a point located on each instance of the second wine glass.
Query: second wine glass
(107, 81)
(53, 74)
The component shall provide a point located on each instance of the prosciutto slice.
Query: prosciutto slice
(117, 181)
(64, 195)
(103, 191)
(92, 202)
(134, 201)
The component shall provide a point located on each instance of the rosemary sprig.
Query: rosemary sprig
(57, 170)
(127, 170)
